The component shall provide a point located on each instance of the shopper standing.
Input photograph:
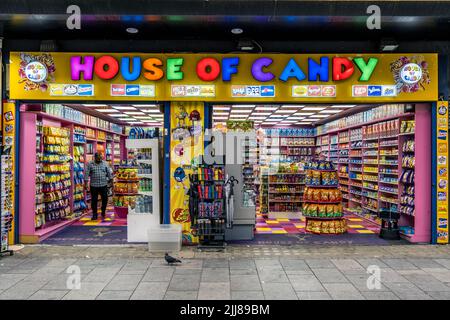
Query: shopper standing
(100, 174)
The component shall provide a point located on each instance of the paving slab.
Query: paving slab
(245, 283)
(88, 291)
(343, 291)
(312, 295)
(127, 282)
(181, 295)
(214, 291)
(9, 280)
(48, 295)
(270, 276)
(150, 291)
(279, 291)
(242, 264)
(329, 275)
(22, 290)
(427, 283)
(305, 283)
(376, 295)
(319, 263)
(158, 274)
(215, 275)
(185, 282)
(115, 295)
(247, 295)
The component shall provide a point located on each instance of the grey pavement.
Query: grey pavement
(240, 273)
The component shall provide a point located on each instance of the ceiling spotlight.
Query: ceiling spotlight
(388, 45)
(132, 30)
(246, 45)
(236, 31)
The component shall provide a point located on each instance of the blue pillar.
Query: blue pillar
(166, 150)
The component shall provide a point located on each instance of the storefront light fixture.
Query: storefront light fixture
(245, 106)
(291, 106)
(132, 30)
(266, 108)
(314, 108)
(124, 108)
(137, 113)
(107, 110)
(318, 116)
(343, 106)
(237, 31)
(330, 111)
(144, 105)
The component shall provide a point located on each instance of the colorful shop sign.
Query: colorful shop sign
(224, 77)
(442, 172)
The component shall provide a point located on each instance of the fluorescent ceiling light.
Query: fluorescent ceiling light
(220, 113)
(303, 113)
(266, 108)
(343, 106)
(278, 116)
(319, 116)
(256, 118)
(124, 108)
(262, 113)
(144, 105)
(242, 111)
(107, 110)
(220, 118)
(330, 111)
(134, 122)
(135, 113)
(314, 108)
(304, 122)
(288, 121)
(296, 118)
(221, 108)
(291, 106)
(95, 105)
(150, 121)
(239, 116)
(143, 117)
(251, 106)
(116, 115)
(285, 111)
(151, 110)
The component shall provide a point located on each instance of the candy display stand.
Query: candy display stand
(322, 200)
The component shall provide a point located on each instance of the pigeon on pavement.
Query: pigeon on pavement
(170, 259)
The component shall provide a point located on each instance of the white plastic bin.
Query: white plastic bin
(164, 237)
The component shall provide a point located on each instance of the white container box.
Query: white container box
(138, 226)
(164, 237)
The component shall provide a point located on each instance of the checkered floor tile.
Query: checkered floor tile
(110, 221)
(264, 225)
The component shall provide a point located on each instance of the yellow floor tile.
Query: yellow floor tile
(271, 222)
(283, 220)
(92, 223)
(279, 231)
(364, 231)
(263, 229)
(355, 226)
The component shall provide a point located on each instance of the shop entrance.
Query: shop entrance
(291, 198)
(57, 144)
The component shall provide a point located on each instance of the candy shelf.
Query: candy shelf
(382, 143)
(33, 225)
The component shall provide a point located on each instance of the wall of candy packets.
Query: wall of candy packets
(80, 117)
(378, 113)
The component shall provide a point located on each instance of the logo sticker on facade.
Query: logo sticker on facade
(244, 91)
(36, 71)
(117, 89)
(86, 90)
(373, 91)
(314, 91)
(132, 90)
(193, 91)
(359, 91)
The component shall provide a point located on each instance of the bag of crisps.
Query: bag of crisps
(322, 211)
(324, 195)
(316, 195)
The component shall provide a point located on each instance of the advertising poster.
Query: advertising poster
(8, 171)
(186, 144)
(442, 172)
